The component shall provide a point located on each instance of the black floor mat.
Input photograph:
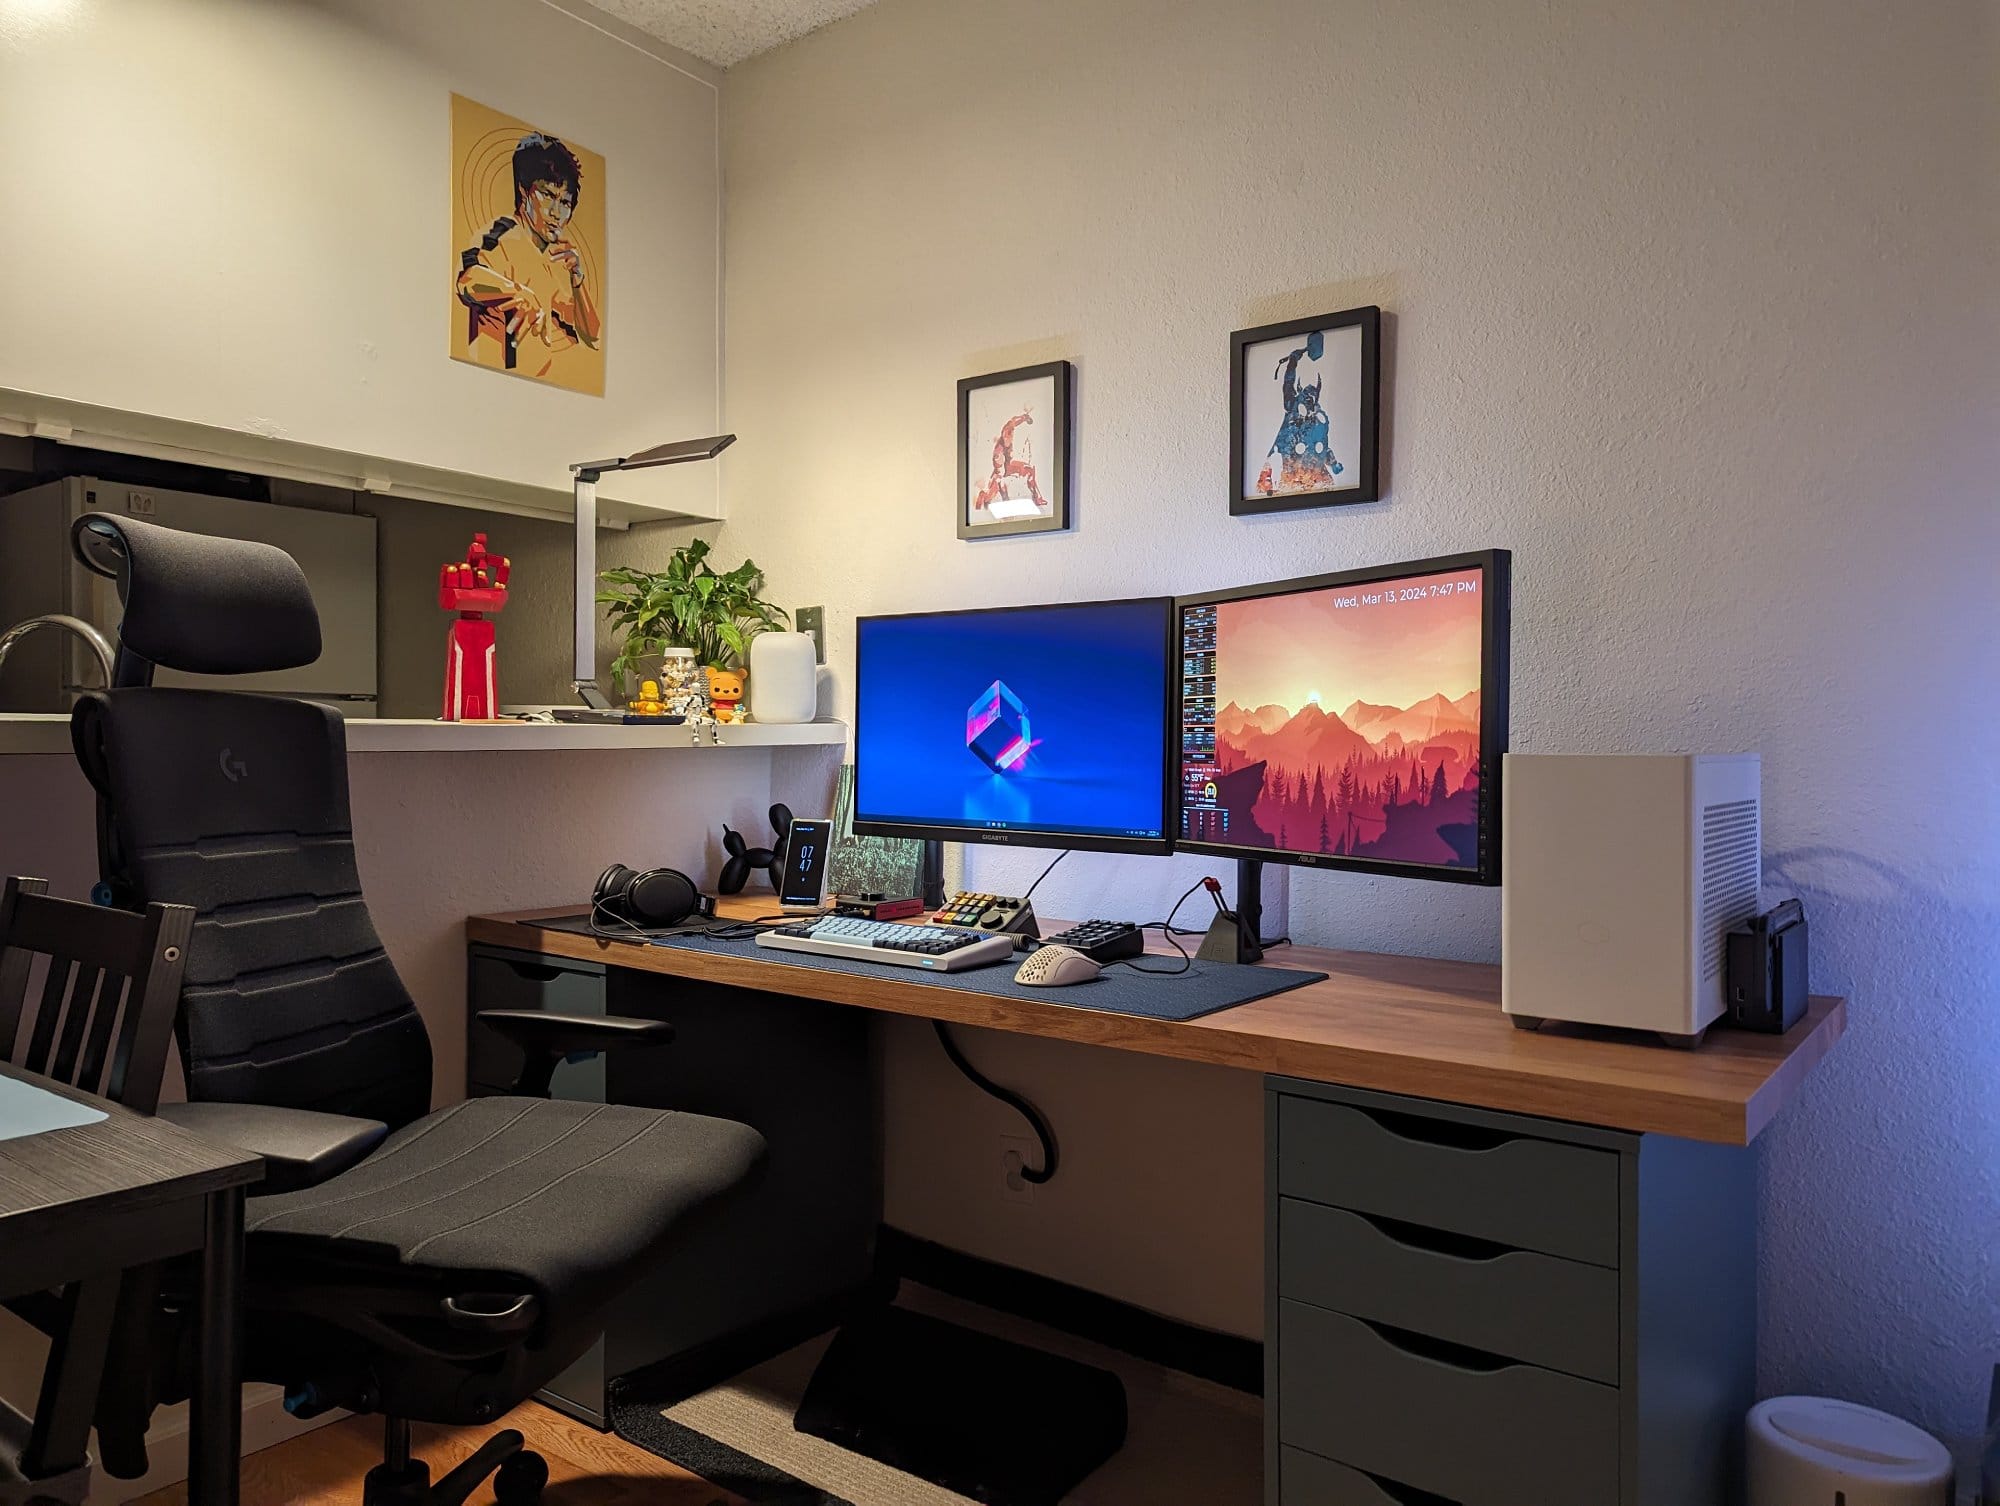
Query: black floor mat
(983, 1417)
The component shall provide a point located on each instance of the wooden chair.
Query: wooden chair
(100, 1021)
(110, 985)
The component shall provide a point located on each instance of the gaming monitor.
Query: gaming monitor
(1349, 721)
(1042, 726)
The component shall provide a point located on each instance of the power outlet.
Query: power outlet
(812, 620)
(139, 504)
(1016, 1152)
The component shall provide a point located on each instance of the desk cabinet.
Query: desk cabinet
(1467, 1308)
(765, 1269)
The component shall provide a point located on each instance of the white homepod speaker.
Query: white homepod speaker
(784, 677)
(1621, 876)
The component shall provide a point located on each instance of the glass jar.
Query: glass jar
(683, 685)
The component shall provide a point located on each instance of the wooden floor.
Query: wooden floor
(586, 1467)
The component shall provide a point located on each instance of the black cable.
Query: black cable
(1013, 1101)
(1166, 929)
(1044, 874)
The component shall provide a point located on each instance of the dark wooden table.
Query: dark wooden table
(80, 1206)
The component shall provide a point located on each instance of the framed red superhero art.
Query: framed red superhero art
(1013, 452)
(1304, 401)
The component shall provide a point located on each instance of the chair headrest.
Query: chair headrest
(200, 604)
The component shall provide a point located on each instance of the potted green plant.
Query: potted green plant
(687, 605)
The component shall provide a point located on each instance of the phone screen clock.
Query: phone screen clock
(806, 847)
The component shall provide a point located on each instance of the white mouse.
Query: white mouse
(1054, 966)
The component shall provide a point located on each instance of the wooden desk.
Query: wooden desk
(1540, 1205)
(78, 1207)
(1411, 1025)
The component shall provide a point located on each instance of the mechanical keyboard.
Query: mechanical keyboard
(940, 950)
(1101, 940)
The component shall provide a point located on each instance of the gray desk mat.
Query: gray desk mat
(1205, 988)
(28, 1110)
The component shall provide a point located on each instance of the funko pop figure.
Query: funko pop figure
(725, 694)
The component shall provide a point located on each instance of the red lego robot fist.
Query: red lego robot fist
(473, 588)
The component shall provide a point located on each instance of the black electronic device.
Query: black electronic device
(989, 912)
(648, 900)
(1101, 940)
(877, 906)
(1765, 970)
(807, 843)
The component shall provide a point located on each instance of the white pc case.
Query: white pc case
(1621, 876)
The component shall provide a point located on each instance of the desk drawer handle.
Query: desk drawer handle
(535, 972)
(1440, 1132)
(1434, 1241)
(1407, 1495)
(1439, 1351)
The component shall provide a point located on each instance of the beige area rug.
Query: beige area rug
(1189, 1442)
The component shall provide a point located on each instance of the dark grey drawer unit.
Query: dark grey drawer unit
(1467, 1308)
(766, 1269)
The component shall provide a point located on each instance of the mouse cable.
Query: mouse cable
(1166, 929)
(1013, 1101)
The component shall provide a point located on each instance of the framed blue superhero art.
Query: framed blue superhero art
(1304, 403)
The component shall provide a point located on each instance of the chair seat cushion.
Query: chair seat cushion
(570, 1198)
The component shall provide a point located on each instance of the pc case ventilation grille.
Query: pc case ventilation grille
(1729, 843)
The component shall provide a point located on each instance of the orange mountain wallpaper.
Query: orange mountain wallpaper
(1346, 721)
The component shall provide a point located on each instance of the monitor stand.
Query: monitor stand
(931, 881)
(1233, 936)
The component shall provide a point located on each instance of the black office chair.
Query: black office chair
(437, 1267)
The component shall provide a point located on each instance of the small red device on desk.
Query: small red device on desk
(473, 588)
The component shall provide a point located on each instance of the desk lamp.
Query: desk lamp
(679, 452)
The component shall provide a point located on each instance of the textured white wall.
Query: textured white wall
(1691, 306)
(238, 214)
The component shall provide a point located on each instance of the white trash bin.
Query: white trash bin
(1813, 1451)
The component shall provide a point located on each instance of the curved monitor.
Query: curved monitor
(1349, 721)
(1043, 726)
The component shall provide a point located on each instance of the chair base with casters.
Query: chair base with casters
(518, 1472)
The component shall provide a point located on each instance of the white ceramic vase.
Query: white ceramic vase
(784, 681)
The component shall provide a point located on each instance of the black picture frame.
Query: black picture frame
(1245, 500)
(1055, 473)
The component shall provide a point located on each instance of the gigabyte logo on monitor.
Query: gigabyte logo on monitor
(996, 836)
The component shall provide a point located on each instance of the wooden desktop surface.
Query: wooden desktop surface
(1412, 1025)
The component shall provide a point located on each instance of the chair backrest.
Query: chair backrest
(237, 805)
(109, 984)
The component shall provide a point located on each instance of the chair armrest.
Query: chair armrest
(300, 1147)
(546, 1037)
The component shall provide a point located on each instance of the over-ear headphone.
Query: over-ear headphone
(653, 900)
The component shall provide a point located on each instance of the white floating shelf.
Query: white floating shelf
(50, 735)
